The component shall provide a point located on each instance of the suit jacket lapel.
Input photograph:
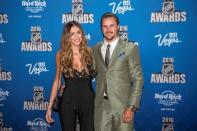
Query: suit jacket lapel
(100, 57)
(116, 51)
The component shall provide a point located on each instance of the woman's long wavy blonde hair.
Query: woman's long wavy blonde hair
(66, 53)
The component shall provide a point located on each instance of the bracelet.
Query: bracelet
(133, 108)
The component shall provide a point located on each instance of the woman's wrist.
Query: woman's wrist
(50, 105)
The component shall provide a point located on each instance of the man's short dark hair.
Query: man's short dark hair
(108, 15)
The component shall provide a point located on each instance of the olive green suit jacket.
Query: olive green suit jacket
(123, 77)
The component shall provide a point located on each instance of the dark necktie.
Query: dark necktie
(107, 59)
(107, 55)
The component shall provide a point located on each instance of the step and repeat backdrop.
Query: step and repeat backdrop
(164, 30)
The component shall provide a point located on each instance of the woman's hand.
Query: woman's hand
(49, 119)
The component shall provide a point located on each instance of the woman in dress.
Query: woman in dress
(74, 63)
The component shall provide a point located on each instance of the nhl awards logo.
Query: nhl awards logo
(38, 102)
(168, 75)
(168, 14)
(77, 14)
(3, 18)
(3, 95)
(2, 127)
(36, 43)
(38, 95)
(168, 68)
(123, 33)
(168, 7)
(77, 8)
(5, 75)
(168, 124)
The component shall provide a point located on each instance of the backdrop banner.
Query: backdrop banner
(164, 31)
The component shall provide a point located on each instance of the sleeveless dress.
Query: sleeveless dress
(77, 101)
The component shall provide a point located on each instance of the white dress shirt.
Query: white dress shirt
(104, 47)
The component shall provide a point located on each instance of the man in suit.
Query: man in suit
(119, 79)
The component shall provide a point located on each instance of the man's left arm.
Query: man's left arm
(136, 78)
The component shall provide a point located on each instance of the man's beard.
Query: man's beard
(109, 38)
